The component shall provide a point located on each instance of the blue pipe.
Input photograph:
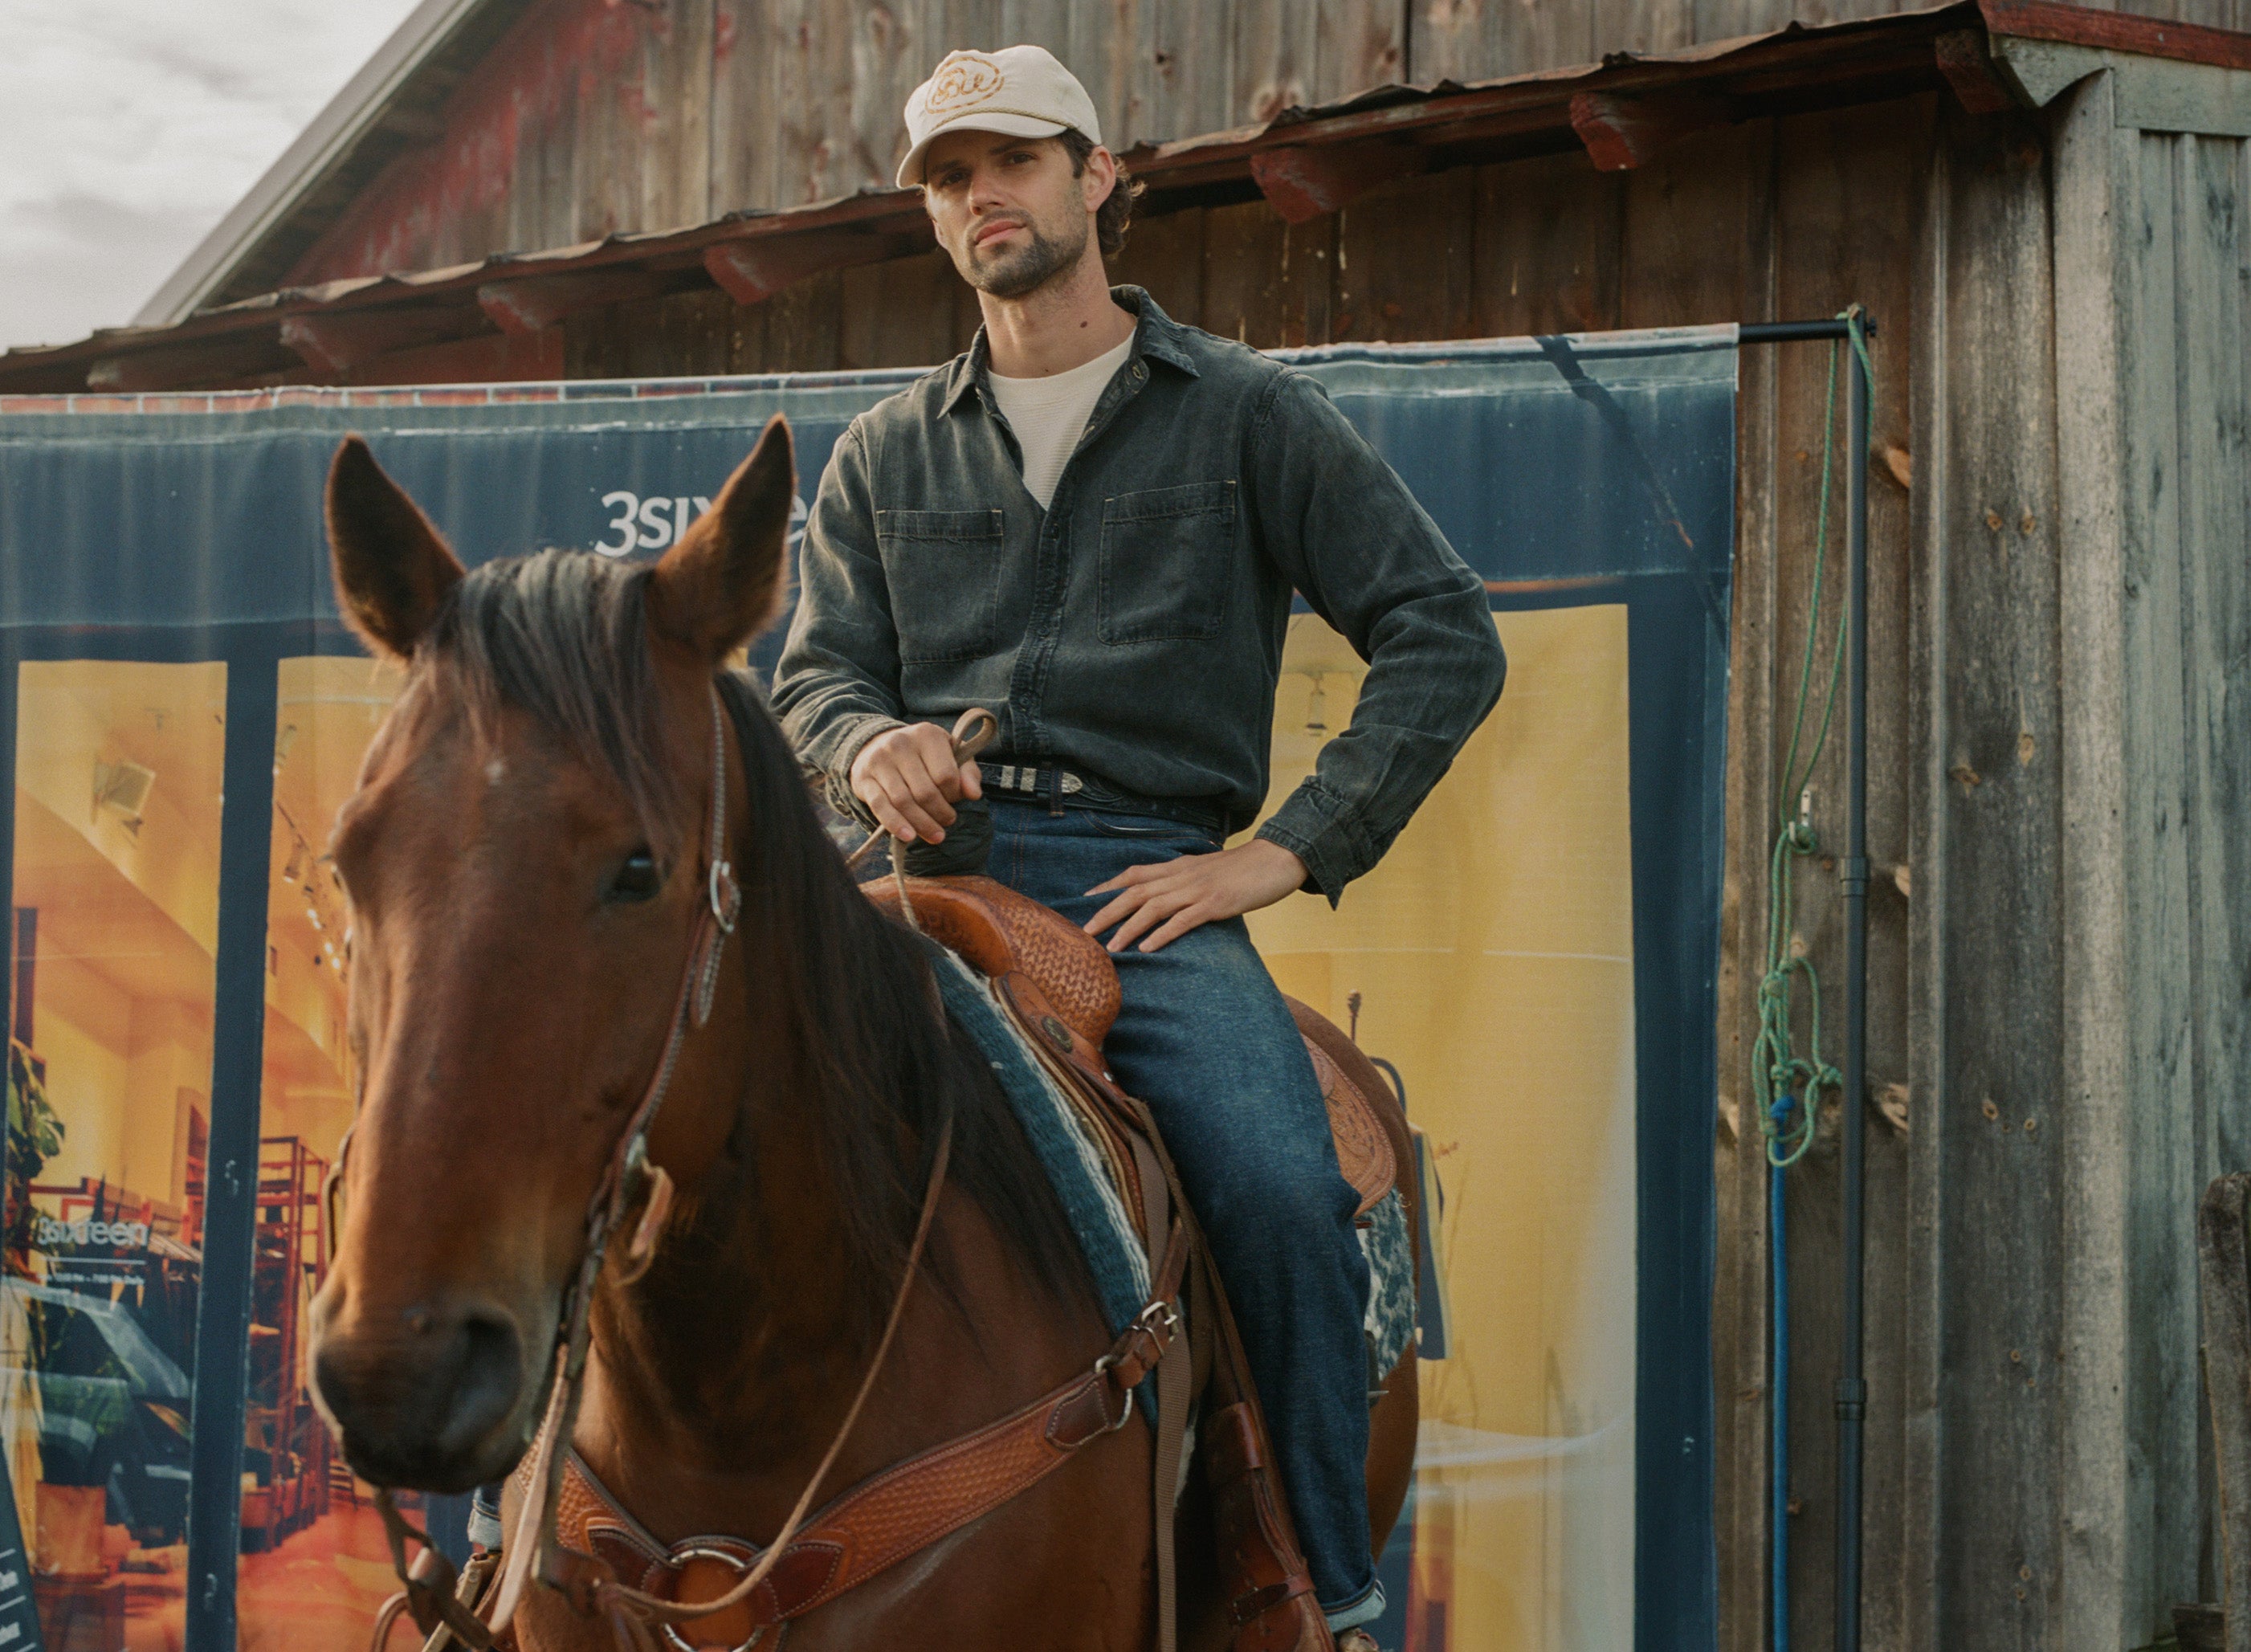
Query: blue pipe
(1778, 1387)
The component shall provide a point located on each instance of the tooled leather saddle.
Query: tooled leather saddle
(1062, 989)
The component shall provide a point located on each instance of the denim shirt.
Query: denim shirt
(1135, 627)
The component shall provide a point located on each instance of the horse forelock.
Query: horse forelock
(562, 636)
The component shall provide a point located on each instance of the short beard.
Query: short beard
(1027, 269)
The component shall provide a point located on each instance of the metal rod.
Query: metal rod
(1777, 1228)
(1792, 332)
(1852, 1388)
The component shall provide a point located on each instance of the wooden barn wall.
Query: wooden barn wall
(1990, 1144)
(592, 116)
(2153, 322)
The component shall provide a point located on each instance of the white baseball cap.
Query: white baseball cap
(1020, 90)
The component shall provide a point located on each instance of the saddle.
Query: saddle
(1061, 983)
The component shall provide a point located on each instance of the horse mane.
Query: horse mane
(562, 635)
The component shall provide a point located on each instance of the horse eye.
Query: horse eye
(638, 879)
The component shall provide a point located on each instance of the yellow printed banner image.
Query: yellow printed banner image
(1491, 955)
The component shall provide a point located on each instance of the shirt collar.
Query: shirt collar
(1155, 335)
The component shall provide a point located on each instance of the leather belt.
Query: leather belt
(1026, 780)
(1050, 784)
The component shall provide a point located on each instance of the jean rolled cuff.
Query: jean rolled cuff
(1368, 1607)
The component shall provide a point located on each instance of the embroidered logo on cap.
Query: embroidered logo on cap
(966, 78)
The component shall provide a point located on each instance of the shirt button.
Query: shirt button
(1139, 371)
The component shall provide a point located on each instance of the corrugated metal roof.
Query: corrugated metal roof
(1305, 160)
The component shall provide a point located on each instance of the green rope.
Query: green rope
(1786, 1083)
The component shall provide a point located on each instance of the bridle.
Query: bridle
(533, 1553)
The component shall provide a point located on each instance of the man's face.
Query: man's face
(1008, 209)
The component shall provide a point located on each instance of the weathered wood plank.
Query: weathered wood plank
(746, 44)
(2219, 727)
(2188, 316)
(1928, 788)
(2217, 504)
(2149, 1188)
(696, 334)
(1267, 283)
(677, 74)
(1403, 259)
(597, 136)
(1642, 26)
(2002, 1313)
(1166, 256)
(804, 326)
(746, 339)
(891, 56)
(1739, 1318)
(1548, 247)
(557, 143)
(668, 338)
(1732, 19)
(1681, 255)
(2097, 187)
(1466, 40)
(2226, 1296)
(900, 313)
(1358, 43)
(1276, 50)
(811, 79)
(1180, 76)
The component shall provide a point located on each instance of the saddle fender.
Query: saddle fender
(1062, 988)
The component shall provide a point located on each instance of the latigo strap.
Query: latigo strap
(898, 1513)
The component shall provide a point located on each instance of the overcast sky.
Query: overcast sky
(127, 127)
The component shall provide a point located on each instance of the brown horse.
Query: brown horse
(521, 858)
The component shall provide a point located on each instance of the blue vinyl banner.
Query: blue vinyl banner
(1534, 960)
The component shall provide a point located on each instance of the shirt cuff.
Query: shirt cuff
(1319, 828)
(844, 747)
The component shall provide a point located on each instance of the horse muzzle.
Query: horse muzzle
(431, 1396)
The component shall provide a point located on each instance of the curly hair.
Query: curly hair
(1115, 216)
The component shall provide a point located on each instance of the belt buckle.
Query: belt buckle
(1025, 779)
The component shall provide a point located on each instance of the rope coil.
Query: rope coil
(1788, 1085)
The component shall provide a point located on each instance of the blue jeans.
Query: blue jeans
(1204, 1038)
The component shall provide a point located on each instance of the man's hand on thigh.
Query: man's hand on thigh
(908, 779)
(1168, 899)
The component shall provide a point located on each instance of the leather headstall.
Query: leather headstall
(431, 1585)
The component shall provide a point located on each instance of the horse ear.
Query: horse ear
(721, 585)
(393, 571)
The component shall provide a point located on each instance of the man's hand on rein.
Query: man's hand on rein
(909, 781)
(1175, 896)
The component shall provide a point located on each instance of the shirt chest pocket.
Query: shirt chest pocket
(943, 571)
(1165, 562)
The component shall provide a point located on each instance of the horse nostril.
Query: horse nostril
(487, 1369)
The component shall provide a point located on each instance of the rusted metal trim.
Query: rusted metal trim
(2117, 31)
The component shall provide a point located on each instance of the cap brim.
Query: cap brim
(910, 175)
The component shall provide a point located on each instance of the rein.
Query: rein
(535, 1553)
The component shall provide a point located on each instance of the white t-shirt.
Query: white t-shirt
(1049, 415)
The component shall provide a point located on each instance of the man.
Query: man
(1092, 523)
